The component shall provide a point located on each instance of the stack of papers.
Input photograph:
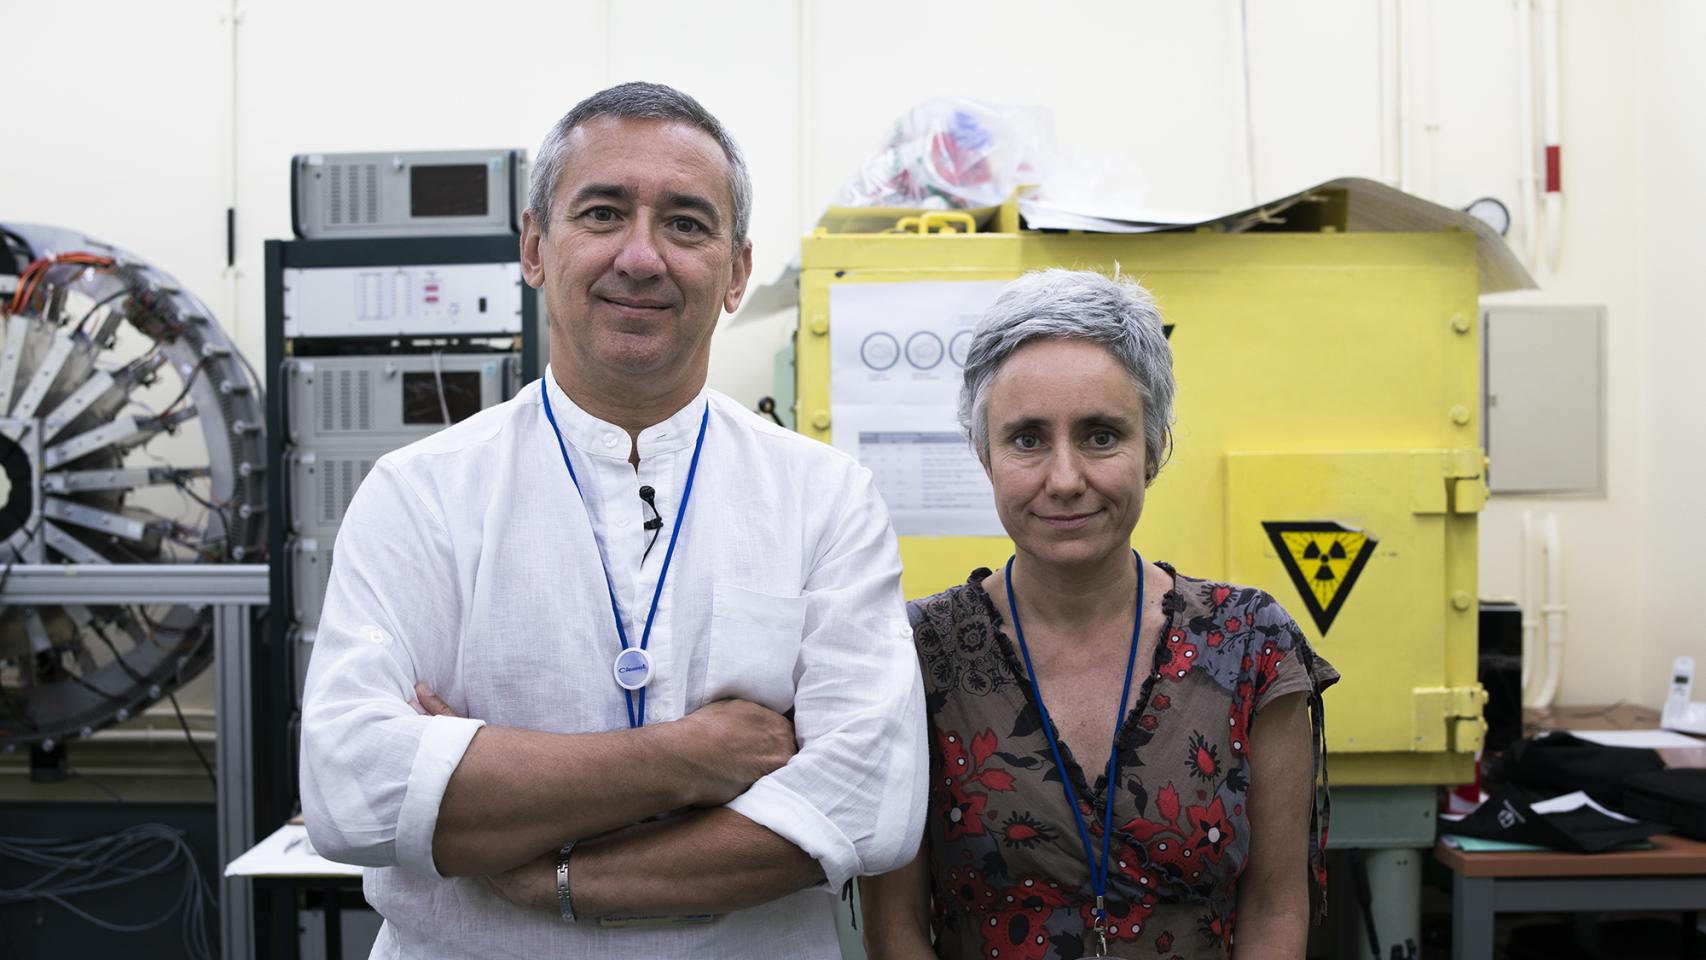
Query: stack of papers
(1478, 845)
(1043, 214)
(287, 853)
(1677, 750)
(1651, 739)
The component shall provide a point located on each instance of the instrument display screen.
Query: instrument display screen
(448, 190)
(429, 399)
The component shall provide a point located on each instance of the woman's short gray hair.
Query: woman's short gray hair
(638, 101)
(1074, 305)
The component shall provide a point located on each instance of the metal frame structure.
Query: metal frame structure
(234, 591)
(1475, 901)
(280, 256)
(274, 905)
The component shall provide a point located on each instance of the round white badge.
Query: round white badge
(633, 668)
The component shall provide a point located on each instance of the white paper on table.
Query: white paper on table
(287, 853)
(1652, 739)
(896, 357)
(1576, 801)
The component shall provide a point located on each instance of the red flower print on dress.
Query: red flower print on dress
(1203, 758)
(1181, 656)
(1238, 736)
(1211, 830)
(1169, 852)
(964, 816)
(1141, 829)
(1034, 894)
(1013, 934)
(1219, 594)
(1233, 624)
(1213, 928)
(1024, 830)
(969, 888)
(1167, 803)
(962, 769)
(1160, 701)
(1267, 664)
(1164, 942)
(1128, 862)
(1125, 919)
(1148, 722)
(954, 761)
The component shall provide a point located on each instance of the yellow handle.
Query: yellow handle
(943, 220)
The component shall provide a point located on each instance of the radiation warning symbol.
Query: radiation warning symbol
(1324, 559)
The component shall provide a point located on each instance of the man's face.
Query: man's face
(638, 264)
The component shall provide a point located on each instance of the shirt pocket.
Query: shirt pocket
(755, 647)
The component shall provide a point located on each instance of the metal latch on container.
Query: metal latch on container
(1449, 719)
(1466, 481)
(1448, 481)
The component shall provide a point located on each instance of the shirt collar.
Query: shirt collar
(598, 438)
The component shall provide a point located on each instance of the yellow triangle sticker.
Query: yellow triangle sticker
(1323, 559)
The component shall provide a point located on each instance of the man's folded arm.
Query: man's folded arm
(854, 796)
(385, 785)
(517, 793)
(850, 802)
(373, 768)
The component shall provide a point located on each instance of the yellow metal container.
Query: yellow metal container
(1326, 446)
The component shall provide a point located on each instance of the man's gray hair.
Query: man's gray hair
(638, 101)
(1074, 305)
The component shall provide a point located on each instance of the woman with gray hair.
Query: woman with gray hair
(1203, 811)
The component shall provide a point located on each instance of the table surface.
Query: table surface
(1671, 856)
(1618, 716)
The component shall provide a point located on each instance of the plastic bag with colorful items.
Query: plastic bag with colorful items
(952, 153)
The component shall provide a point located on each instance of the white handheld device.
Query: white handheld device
(1681, 713)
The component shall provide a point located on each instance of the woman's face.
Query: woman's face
(1066, 453)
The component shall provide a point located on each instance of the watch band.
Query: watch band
(565, 900)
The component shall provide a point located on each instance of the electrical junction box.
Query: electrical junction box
(1545, 403)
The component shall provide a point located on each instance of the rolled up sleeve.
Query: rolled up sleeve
(853, 797)
(374, 769)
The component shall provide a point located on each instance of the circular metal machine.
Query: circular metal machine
(104, 362)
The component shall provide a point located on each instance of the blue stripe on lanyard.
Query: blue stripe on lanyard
(636, 718)
(1098, 873)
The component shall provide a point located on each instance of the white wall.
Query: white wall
(1672, 391)
(1604, 539)
(138, 146)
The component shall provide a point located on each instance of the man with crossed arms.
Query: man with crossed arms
(518, 777)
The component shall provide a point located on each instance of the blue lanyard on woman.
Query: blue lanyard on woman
(633, 666)
(1098, 871)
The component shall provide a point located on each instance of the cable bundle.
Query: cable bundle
(75, 867)
(33, 274)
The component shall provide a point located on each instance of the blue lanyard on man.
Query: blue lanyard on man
(633, 665)
(1098, 870)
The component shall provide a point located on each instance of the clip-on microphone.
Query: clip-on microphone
(656, 522)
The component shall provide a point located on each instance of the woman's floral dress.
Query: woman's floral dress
(1008, 874)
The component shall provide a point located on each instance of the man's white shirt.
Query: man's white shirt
(467, 561)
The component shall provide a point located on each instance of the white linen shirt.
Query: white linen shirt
(467, 561)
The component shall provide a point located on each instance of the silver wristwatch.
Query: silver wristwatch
(565, 900)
